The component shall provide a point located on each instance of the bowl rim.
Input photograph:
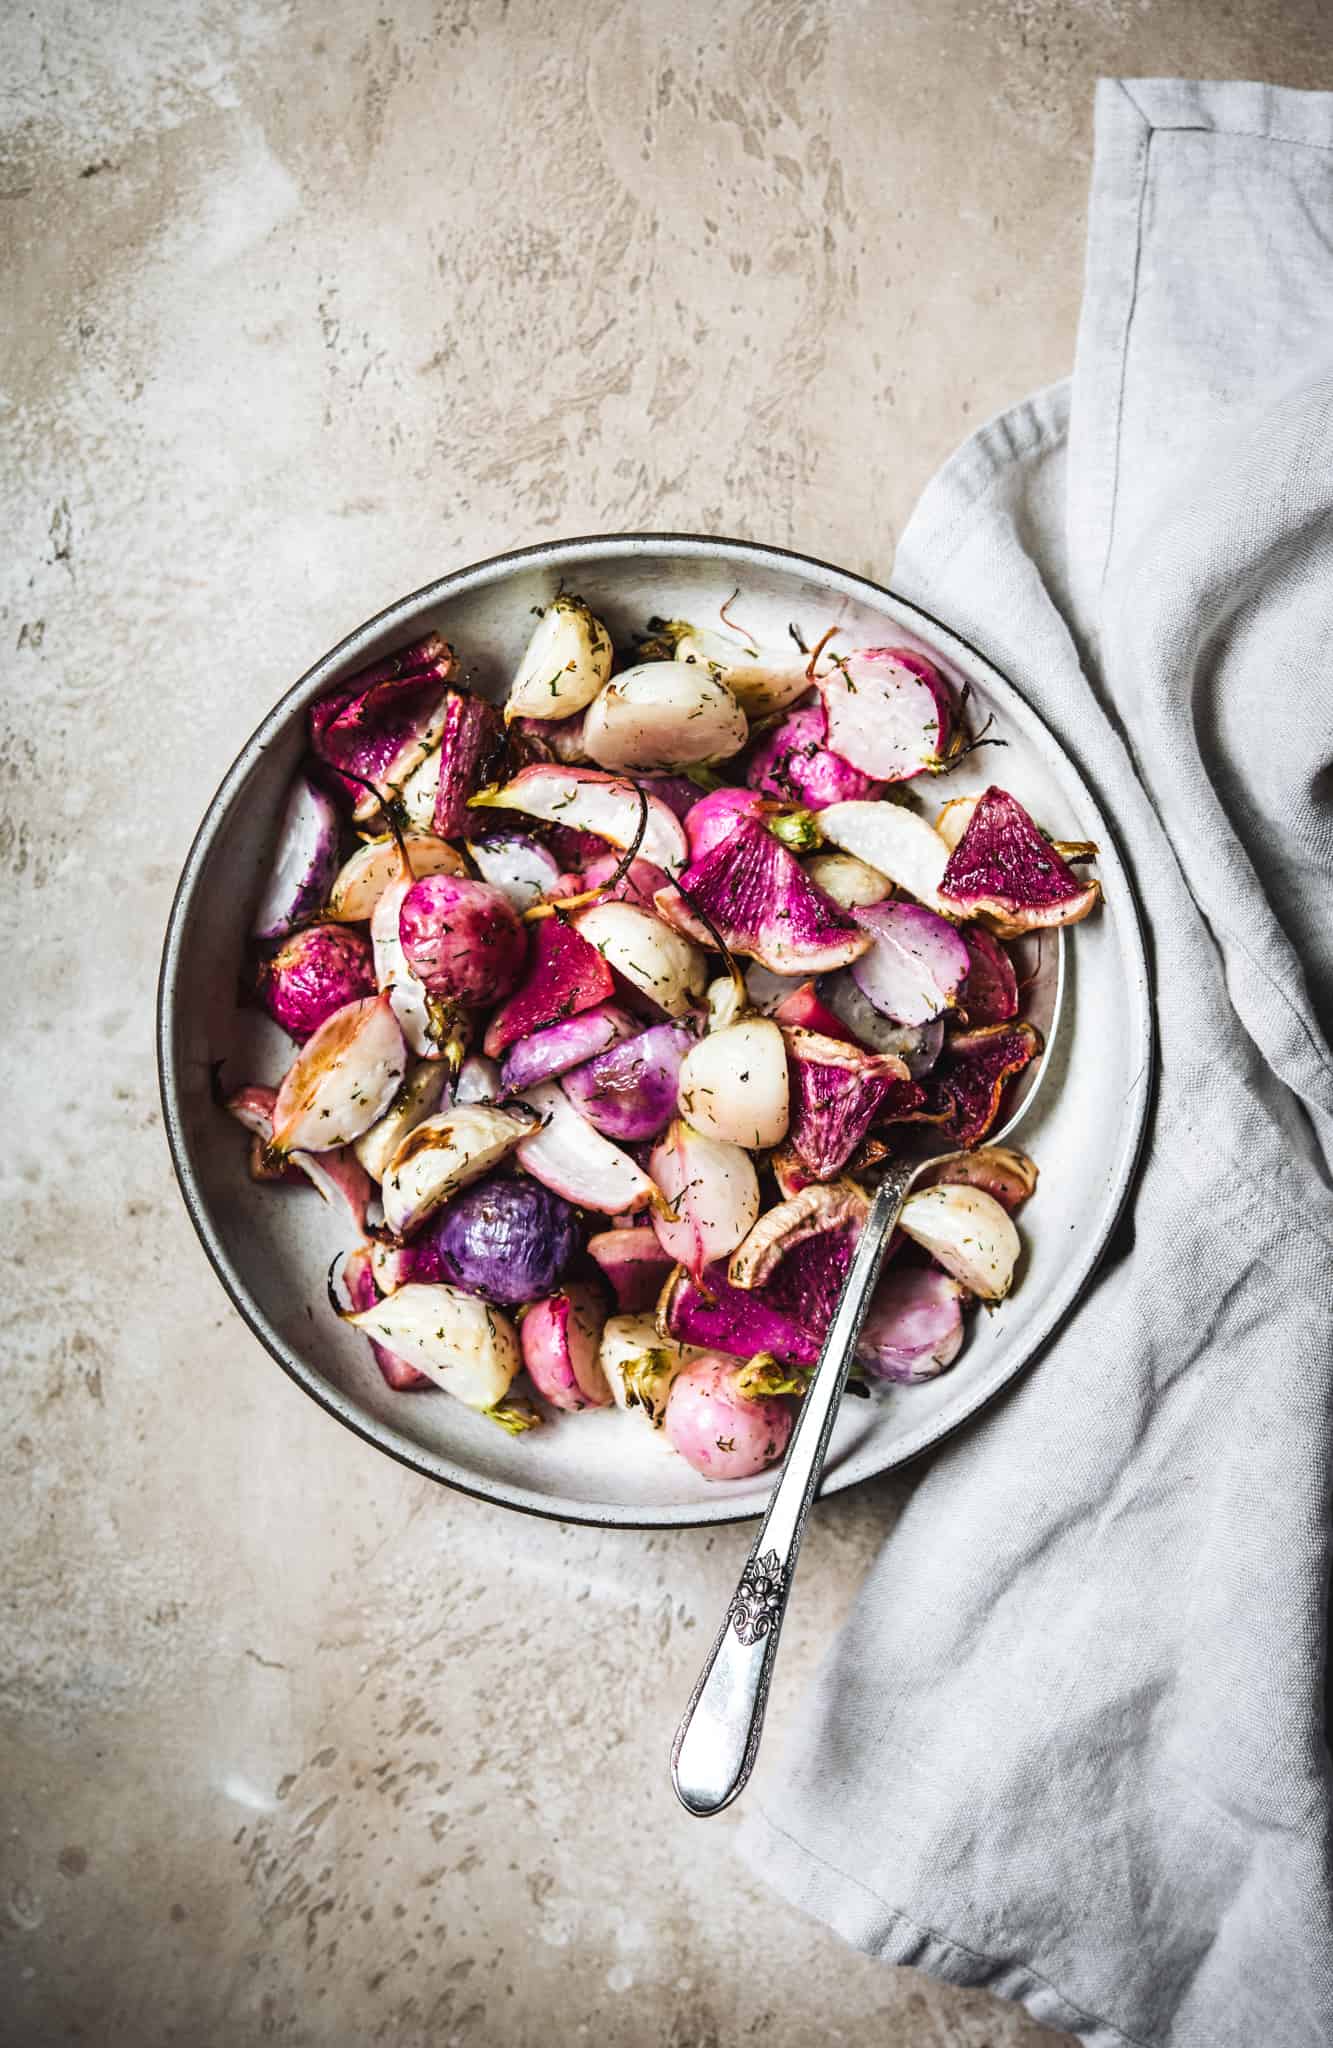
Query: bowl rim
(474, 575)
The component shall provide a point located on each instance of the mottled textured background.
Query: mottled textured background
(303, 307)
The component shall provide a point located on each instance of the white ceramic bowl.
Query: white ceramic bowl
(271, 1248)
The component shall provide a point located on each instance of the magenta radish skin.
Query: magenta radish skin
(559, 1047)
(471, 752)
(890, 713)
(714, 1315)
(720, 1432)
(380, 725)
(713, 818)
(915, 965)
(305, 861)
(628, 1092)
(464, 942)
(560, 1338)
(313, 973)
(796, 764)
(634, 1265)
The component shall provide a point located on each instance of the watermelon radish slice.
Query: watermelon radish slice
(968, 1082)
(763, 906)
(837, 1092)
(1005, 871)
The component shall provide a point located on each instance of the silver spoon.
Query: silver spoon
(718, 1738)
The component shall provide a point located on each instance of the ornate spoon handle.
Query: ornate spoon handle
(718, 1739)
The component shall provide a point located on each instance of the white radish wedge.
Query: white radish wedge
(362, 879)
(459, 1341)
(848, 880)
(896, 842)
(342, 1080)
(589, 800)
(954, 819)
(639, 1364)
(443, 1154)
(419, 1097)
(713, 1191)
(572, 1159)
(639, 945)
(664, 714)
(733, 1084)
(407, 995)
(566, 663)
(760, 681)
(967, 1232)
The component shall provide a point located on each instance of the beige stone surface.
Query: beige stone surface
(303, 307)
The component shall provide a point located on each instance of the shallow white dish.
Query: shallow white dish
(272, 1248)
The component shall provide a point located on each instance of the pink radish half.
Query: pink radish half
(561, 1340)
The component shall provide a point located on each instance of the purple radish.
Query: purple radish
(380, 725)
(628, 1092)
(796, 764)
(561, 1046)
(509, 1240)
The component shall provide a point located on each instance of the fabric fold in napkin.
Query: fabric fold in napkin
(1071, 1744)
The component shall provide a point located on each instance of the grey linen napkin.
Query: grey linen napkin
(1071, 1743)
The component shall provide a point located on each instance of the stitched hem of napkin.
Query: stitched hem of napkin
(870, 1923)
